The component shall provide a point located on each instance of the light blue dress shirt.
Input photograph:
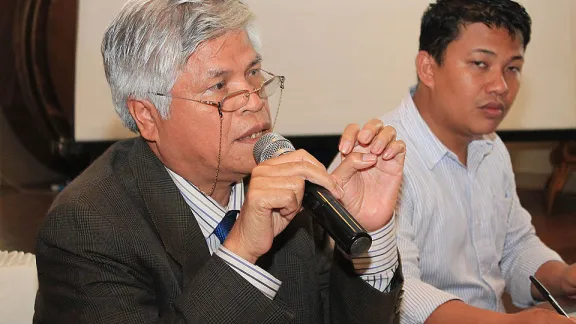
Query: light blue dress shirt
(462, 233)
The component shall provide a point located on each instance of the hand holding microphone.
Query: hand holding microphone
(274, 197)
(324, 207)
(366, 183)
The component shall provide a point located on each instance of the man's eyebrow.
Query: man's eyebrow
(215, 73)
(483, 50)
(255, 61)
(491, 53)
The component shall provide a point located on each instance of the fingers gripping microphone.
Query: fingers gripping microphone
(326, 210)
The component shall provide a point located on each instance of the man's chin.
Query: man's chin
(246, 169)
(484, 130)
(488, 126)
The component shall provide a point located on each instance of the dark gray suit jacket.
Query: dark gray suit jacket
(120, 245)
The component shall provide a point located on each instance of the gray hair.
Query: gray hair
(150, 41)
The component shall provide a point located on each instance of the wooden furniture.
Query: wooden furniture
(563, 159)
(38, 53)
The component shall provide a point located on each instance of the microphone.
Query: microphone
(326, 210)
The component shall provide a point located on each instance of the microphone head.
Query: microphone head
(271, 145)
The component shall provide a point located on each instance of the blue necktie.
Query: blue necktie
(225, 225)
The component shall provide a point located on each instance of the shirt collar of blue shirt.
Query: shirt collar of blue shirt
(429, 146)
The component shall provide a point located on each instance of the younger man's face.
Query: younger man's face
(478, 80)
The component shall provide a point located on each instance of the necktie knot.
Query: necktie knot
(222, 230)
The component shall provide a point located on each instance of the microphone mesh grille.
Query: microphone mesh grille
(271, 145)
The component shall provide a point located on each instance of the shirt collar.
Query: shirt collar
(426, 142)
(208, 212)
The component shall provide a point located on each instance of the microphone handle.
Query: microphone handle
(347, 233)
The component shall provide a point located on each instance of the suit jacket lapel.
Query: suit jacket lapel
(173, 219)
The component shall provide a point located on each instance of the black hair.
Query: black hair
(442, 22)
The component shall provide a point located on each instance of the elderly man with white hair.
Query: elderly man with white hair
(161, 229)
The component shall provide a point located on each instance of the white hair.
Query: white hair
(149, 42)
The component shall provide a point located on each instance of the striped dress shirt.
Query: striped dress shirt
(462, 233)
(376, 267)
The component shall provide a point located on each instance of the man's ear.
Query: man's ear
(425, 67)
(146, 117)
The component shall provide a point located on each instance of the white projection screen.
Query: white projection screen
(347, 62)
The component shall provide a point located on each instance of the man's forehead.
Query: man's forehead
(228, 52)
(478, 37)
(218, 68)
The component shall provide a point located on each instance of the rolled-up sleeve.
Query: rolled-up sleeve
(523, 254)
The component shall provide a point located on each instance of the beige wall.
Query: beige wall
(348, 64)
